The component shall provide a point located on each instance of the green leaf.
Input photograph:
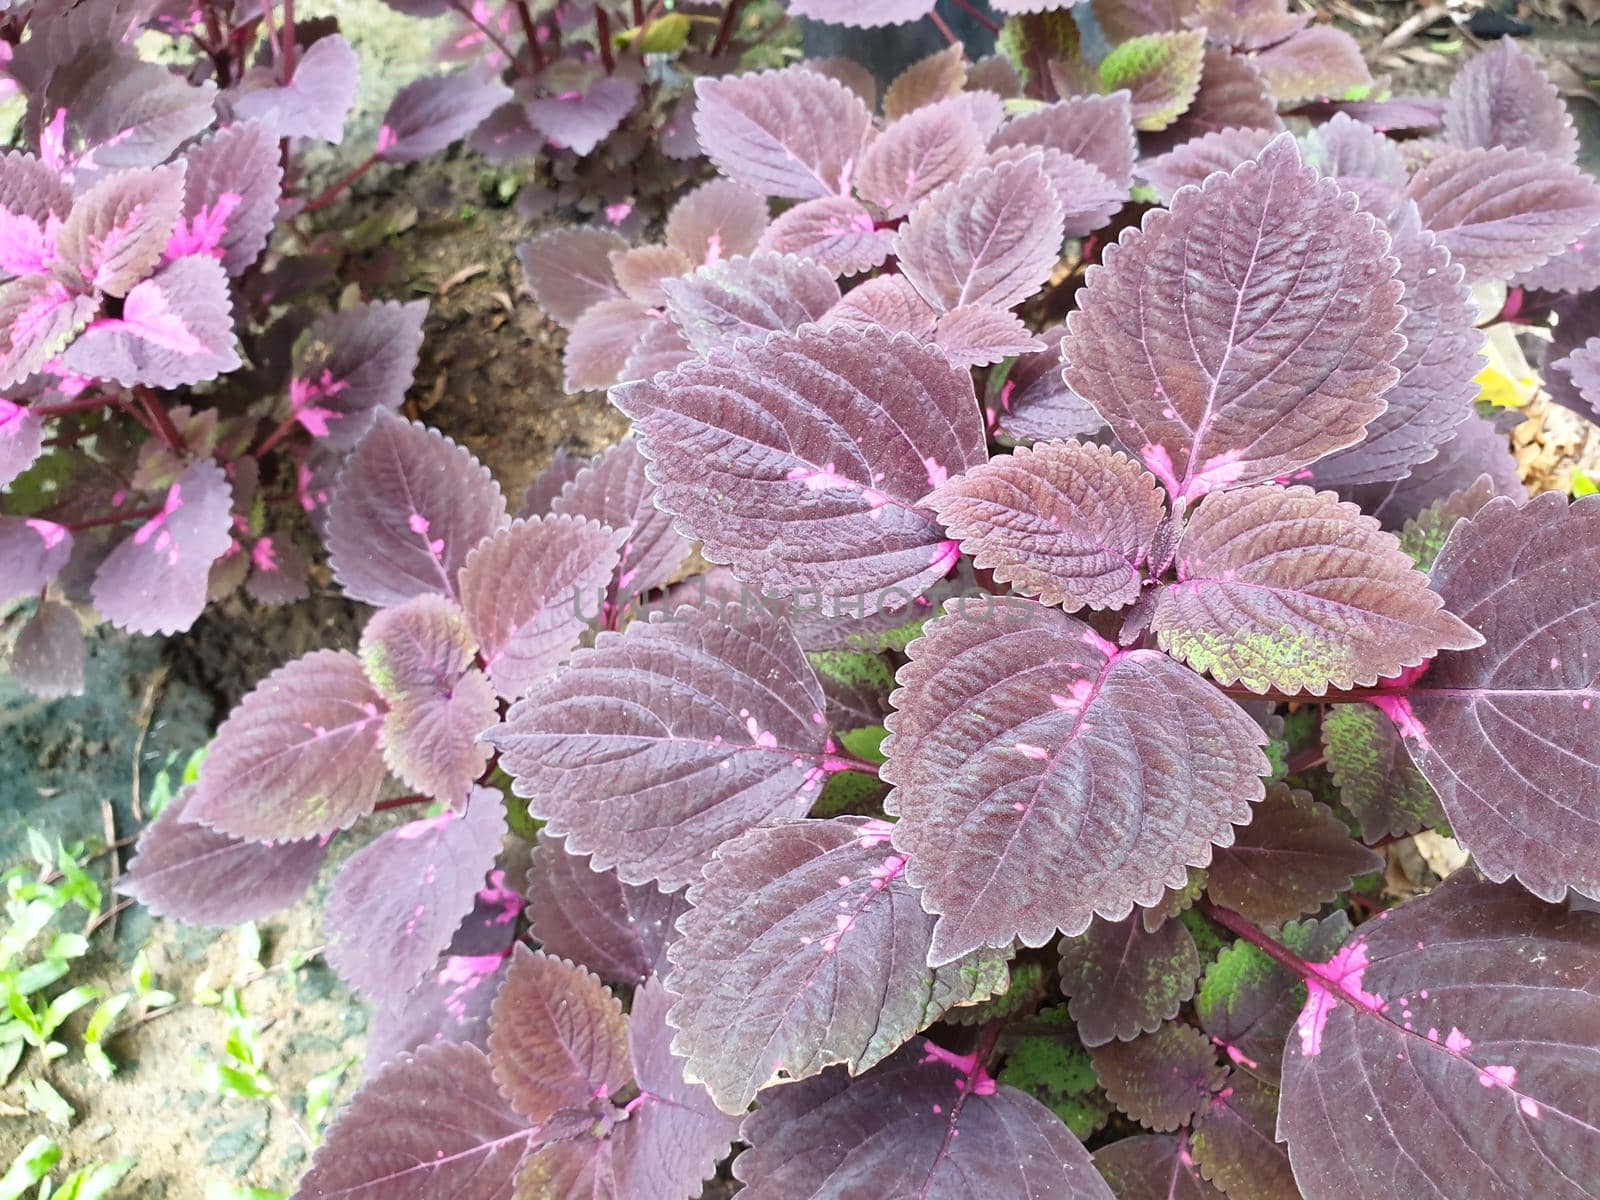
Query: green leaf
(10, 1052)
(94, 1183)
(1035, 40)
(69, 1002)
(1054, 1069)
(1583, 486)
(43, 1099)
(39, 975)
(67, 945)
(319, 1096)
(216, 1190)
(1162, 70)
(665, 35)
(37, 1159)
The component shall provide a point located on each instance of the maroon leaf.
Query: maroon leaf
(1501, 211)
(231, 187)
(32, 553)
(1480, 724)
(662, 348)
(1151, 1166)
(978, 335)
(1233, 1143)
(1438, 367)
(569, 270)
(990, 239)
(352, 362)
(581, 121)
(1017, 722)
(1160, 1079)
(428, 1125)
(641, 270)
(1575, 269)
(419, 655)
(1097, 130)
(298, 757)
(155, 580)
(398, 901)
(38, 316)
(611, 754)
(21, 437)
(749, 298)
(560, 566)
(1124, 980)
(1232, 95)
(201, 877)
(884, 300)
(547, 485)
(176, 328)
(927, 81)
(1196, 160)
(1088, 199)
(557, 1038)
(861, 16)
(925, 1123)
(279, 573)
(834, 231)
(1294, 590)
(1424, 535)
(918, 155)
(719, 219)
(1036, 402)
(48, 655)
(620, 931)
(317, 101)
(1068, 522)
(1477, 448)
(601, 340)
(1293, 857)
(428, 114)
(118, 228)
(1248, 1002)
(1256, 358)
(1246, 24)
(409, 507)
(1314, 63)
(1362, 160)
(34, 201)
(815, 483)
(1376, 779)
(782, 133)
(615, 491)
(805, 947)
(1501, 98)
(1462, 1021)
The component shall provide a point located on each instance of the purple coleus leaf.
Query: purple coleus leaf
(410, 504)
(1438, 367)
(231, 186)
(1318, 62)
(1232, 95)
(1293, 857)
(1478, 448)
(1160, 1079)
(1195, 161)
(835, 231)
(929, 80)
(420, 657)
(1035, 402)
(620, 931)
(862, 16)
(917, 155)
(1088, 199)
(34, 201)
(1097, 130)
(1479, 724)
(1375, 777)
(790, 133)
(317, 100)
(38, 317)
(1501, 98)
(991, 238)
(531, 590)
(580, 121)
(888, 301)
(569, 270)
(1255, 358)
(1246, 24)
(547, 485)
(1463, 1021)
(1016, 722)
(1160, 71)
(155, 580)
(176, 328)
(299, 756)
(615, 491)
(1248, 1002)
(427, 115)
(925, 1123)
(32, 553)
(641, 270)
(805, 947)
(352, 362)
(118, 228)
(21, 438)
(1500, 211)
(1295, 590)
(979, 335)
(749, 298)
(1124, 979)
(1362, 160)
(1068, 522)
(662, 348)
(613, 757)
(48, 655)
(397, 902)
(189, 873)
(1148, 1166)
(816, 479)
(1232, 1142)
(428, 1125)
(719, 219)
(601, 342)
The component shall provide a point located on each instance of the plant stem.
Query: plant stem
(1308, 759)
(157, 412)
(136, 514)
(284, 428)
(494, 38)
(603, 36)
(1331, 696)
(400, 802)
(638, 13)
(82, 404)
(730, 15)
(938, 23)
(977, 16)
(1242, 927)
(531, 32)
(286, 44)
(339, 185)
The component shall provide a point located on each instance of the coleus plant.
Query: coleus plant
(146, 467)
(1258, 593)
